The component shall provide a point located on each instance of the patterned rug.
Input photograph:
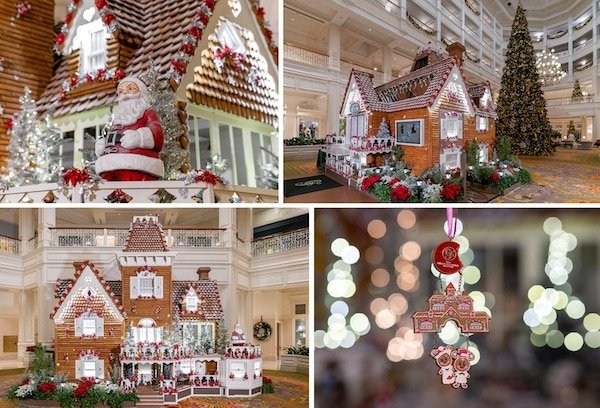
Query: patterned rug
(569, 176)
(305, 185)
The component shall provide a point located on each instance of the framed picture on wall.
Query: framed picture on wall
(308, 128)
(409, 132)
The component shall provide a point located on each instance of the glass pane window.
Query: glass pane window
(67, 148)
(89, 327)
(240, 159)
(225, 142)
(204, 140)
(300, 335)
(146, 286)
(89, 369)
(192, 302)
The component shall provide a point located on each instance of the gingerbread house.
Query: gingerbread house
(431, 114)
(149, 329)
(454, 306)
(219, 58)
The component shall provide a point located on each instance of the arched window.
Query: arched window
(148, 331)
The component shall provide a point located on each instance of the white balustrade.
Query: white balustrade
(79, 237)
(10, 245)
(281, 242)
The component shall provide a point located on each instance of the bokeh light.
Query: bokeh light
(376, 229)
(380, 277)
(338, 245)
(406, 219)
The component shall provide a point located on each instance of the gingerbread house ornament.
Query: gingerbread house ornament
(454, 306)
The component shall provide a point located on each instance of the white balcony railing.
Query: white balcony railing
(303, 56)
(81, 237)
(10, 245)
(281, 242)
(570, 101)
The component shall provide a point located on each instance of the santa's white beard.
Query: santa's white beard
(130, 109)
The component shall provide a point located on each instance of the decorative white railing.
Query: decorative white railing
(303, 56)
(10, 245)
(569, 101)
(110, 237)
(281, 242)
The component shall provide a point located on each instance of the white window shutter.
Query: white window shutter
(99, 327)
(78, 369)
(158, 287)
(134, 287)
(100, 369)
(79, 326)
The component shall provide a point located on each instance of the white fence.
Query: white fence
(281, 242)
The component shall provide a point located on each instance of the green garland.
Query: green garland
(262, 331)
(418, 26)
(557, 35)
(472, 7)
(582, 24)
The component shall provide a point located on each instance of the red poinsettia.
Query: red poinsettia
(494, 177)
(82, 389)
(74, 79)
(393, 181)
(100, 74)
(400, 193)
(76, 176)
(25, 381)
(68, 18)
(9, 123)
(210, 4)
(368, 182)
(100, 4)
(260, 12)
(119, 74)
(47, 387)
(267, 380)
(207, 177)
(451, 192)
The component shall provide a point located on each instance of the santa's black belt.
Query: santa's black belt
(113, 137)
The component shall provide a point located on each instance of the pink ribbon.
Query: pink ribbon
(451, 222)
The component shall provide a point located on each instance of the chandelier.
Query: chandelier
(549, 68)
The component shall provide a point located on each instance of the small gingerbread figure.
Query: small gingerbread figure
(462, 364)
(443, 358)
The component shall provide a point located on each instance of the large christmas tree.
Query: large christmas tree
(522, 114)
(577, 95)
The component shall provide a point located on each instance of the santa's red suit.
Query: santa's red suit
(131, 152)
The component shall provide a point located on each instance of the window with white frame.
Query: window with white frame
(89, 369)
(92, 45)
(191, 301)
(67, 149)
(146, 284)
(228, 34)
(89, 366)
(482, 123)
(148, 332)
(89, 324)
(199, 135)
(356, 125)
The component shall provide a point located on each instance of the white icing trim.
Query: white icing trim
(130, 161)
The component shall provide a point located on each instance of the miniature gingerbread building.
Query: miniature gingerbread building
(149, 328)
(451, 306)
(431, 111)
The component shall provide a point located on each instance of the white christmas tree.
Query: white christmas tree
(164, 102)
(33, 149)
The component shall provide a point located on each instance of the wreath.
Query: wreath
(262, 331)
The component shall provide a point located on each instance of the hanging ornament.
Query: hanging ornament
(235, 198)
(199, 196)
(162, 196)
(50, 197)
(118, 196)
(23, 9)
(451, 304)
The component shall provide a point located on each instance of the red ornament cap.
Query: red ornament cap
(446, 259)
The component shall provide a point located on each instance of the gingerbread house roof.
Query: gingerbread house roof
(156, 30)
(72, 301)
(418, 89)
(209, 308)
(146, 235)
(477, 90)
(248, 91)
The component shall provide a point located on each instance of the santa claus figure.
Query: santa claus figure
(131, 149)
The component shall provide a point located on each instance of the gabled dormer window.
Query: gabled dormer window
(228, 35)
(90, 38)
(192, 301)
(146, 285)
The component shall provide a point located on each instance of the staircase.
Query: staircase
(149, 398)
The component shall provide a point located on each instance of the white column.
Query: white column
(46, 221)
(26, 326)
(26, 228)
(570, 43)
(387, 64)
(333, 94)
(228, 221)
